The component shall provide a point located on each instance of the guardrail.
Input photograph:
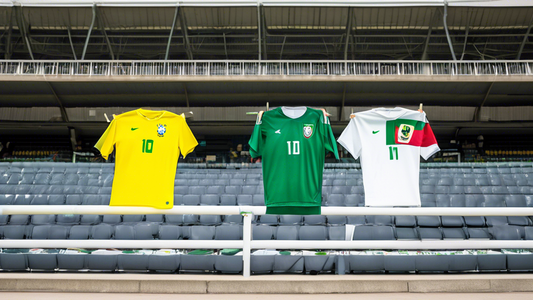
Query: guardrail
(247, 244)
(265, 68)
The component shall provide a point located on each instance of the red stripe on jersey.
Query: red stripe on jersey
(420, 138)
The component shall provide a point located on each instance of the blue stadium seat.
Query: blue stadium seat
(313, 233)
(287, 232)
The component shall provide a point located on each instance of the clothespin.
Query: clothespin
(259, 116)
(352, 115)
(326, 115)
(107, 119)
(420, 108)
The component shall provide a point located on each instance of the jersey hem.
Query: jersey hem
(294, 210)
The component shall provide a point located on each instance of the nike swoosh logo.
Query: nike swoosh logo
(278, 131)
(374, 132)
(133, 129)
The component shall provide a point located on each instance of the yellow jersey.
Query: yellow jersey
(147, 145)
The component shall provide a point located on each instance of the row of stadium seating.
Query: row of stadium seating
(73, 191)
(232, 178)
(150, 231)
(260, 264)
(522, 199)
(476, 186)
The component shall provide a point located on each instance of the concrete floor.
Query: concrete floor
(380, 296)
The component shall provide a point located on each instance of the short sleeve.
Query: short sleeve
(329, 139)
(256, 142)
(351, 140)
(107, 141)
(429, 144)
(186, 141)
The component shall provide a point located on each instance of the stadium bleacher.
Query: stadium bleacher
(449, 185)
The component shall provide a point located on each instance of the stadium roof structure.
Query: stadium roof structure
(380, 30)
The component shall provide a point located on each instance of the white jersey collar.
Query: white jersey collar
(390, 113)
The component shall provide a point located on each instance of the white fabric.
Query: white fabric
(390, 178)
(294, 112)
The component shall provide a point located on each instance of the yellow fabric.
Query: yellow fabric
(147, 145)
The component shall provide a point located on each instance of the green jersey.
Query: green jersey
(293, 150)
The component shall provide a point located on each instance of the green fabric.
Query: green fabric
(293, 153)
(229, 251)
(391, 128)
(200, 252)
(294, 210)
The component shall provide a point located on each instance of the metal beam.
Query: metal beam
(444, 16)
(186, 93)
(341, 114)
(426, 44)
(259, 30)
(348, 32)
(64, 115)
(477, 112)
(70, 35)
(7, 55)
(264, 29)
(101, 24)
(89, 33)
(22, 28)
(525, 39)
(282, 46)
(466, 35)
(184, 30)
(172, 31)
(71, 44)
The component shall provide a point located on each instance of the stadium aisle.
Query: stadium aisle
(387, 296)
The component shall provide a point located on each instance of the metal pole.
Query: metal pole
(22, 27)
(89, 34)
(172, 31)
(282, 45)
(446, 29)
(102, 25)
(263, 24)
(247, 239)
(259, 29)
(348, 32)
(426, 44)
(183, 24)
(525, 39)
(71, 44)
(466, 35)
(8, 42)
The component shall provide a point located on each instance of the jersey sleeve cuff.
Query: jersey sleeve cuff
(343, 144)
(430, 150)
(188, 151)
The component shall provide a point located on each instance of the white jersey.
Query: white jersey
(389, 142)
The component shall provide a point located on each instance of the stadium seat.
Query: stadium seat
(169, 232)
(373, 233)
(313, 233)
(201, 232)
(287, 232)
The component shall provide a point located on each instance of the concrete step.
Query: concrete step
(264, 284)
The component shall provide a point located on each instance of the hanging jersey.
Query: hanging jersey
(147, 145)
(293, 152)
(389, 142)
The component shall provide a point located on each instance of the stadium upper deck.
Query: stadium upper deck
(325, 30)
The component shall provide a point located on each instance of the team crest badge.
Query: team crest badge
(405, 133)
(161, 129)
(308, 130)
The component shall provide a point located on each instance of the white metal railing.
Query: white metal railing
(247, 244)
(264, 68)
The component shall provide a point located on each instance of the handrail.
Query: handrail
(242, 68)
(261, 210)
(247, 244)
